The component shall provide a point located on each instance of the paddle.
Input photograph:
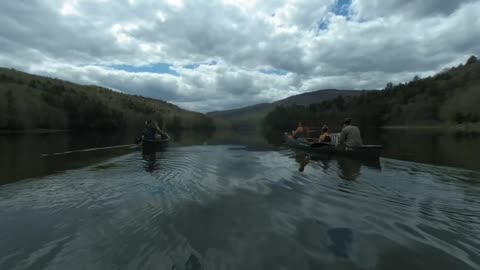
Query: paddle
(138, 139)
(89, 150)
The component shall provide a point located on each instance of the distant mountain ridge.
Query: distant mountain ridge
(254, 114)
(234, 112)
(316, 97)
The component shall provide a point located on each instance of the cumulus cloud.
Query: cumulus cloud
(231, 53)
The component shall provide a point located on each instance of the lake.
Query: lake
(237, 200)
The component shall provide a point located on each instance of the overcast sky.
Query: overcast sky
(211, 55)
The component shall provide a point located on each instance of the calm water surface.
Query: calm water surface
(233, 201)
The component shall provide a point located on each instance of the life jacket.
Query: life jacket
(149, 134)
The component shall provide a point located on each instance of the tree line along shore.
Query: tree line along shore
(447, 100)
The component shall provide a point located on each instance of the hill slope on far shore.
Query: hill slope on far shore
(35, 102)
(253, 115)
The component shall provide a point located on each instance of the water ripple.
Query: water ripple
(218, 207)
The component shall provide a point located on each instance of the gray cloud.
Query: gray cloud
(37, 25)
(383, 41)
(370, 9)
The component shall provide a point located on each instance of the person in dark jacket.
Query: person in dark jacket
(150, 132)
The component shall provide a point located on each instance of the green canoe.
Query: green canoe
(155, 146)
(364, 151)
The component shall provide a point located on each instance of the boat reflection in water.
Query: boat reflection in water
(151, 161)
(349, 168)
(303, 159)
(150, 150)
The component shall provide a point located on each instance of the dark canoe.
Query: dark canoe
(364, 151)
(155, 146)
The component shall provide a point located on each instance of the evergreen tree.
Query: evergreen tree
(473, 59)
(11, 110)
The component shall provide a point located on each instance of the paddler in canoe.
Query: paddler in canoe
(347, 142)
(301, 133)
(325, 135)
(350, 135)
(153, 132)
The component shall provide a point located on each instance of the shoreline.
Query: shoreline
(33, 131)
(473, 128)
(121, 131)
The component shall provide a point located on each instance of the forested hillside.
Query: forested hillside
(449, 98)
(34, 102)
(251, 116)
